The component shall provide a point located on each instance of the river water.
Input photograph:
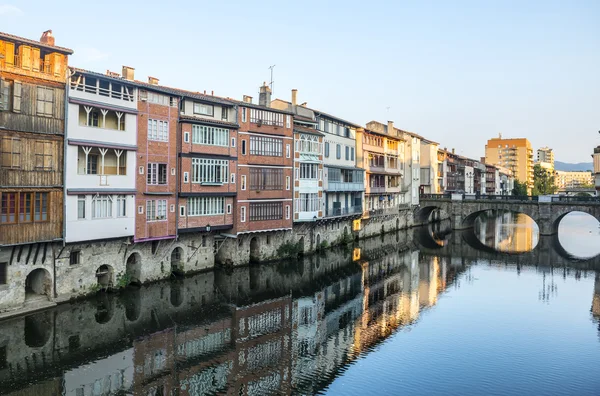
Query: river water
(494, 310)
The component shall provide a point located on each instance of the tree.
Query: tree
(520, 189)
(543, 181)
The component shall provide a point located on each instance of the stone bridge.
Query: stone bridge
(463, 210)
(438, 240)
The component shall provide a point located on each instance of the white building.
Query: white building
(429, 167)
(100, 160)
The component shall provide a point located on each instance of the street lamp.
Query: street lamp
(208, 228)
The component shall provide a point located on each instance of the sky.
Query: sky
(457, 72)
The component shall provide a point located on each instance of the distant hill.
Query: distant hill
(566, 166)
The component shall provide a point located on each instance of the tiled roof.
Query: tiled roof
(335, 118)
(35, 42)
(299, 128)
(159, 88)
(208, 121)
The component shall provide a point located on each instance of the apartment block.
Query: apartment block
(380, 154)
(514, 154)
(565, 180)
(545, 157)
(100, 161)
(265, 164)
(32, 118)
(207, 164)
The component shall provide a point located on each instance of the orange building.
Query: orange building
(514, 154)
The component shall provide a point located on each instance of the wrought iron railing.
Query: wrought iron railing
(514, 198)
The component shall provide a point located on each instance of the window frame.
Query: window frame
(211, 113)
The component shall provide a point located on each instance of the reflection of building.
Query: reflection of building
(514, 154)
(596, 157)
(596, 298)
(507, 231)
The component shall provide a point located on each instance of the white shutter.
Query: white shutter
(17, 89)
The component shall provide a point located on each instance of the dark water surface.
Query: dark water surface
(494, 310)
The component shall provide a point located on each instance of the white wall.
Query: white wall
(188, 110)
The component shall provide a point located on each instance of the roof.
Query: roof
(208, 121)
(335, 118)
(298, 128)
(36, 43)
(407, 132)
(159, 88)
(382, 134)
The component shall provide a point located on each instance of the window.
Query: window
(308, 203)
(266, 146)
(243, 182)
(156, 210)
(208, 171)
(92, 164)
(92, 119)
(287, 212)
(205, 206)
(186, 137)
(158, 98)
(224, 113)
(182, 211)
(186, 177)
(308, 171)
(347, 153)
(45, 101)
(121, 206)
(243, 114)
(266, 179)
(228, 208)
(172, 208)
(338, 151)
(351, 153)
(308, 144)
(242, 214)
(266, 117)
(11, 152)
(3, 273)
(43, 155)
(26, 207)
(5, 94)
(243, 147)
(266, 211)
(210, 135)
(75, 257)
(232, 142)
(203, 109)
(102, 207)
(8, 208)
(232, 179)
(140, 209)
(326, 149)
(157, 174)
(81, 206)
(287, 151)
(288, 121)
(158, 130)
(41, 207)
(287, 183)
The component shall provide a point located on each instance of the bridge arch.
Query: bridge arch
(422, 214)
(593, 211)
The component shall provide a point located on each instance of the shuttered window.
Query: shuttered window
(5, 94)
(43, 155)
(45, 101)
(10, 154)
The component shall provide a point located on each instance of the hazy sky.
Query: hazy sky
(457, 72)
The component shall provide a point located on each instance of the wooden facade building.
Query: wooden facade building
(32, 123)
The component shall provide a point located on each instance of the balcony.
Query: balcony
(345, 186)
(349, 211)
(375, 190)
(46, 70)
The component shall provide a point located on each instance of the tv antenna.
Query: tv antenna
(271, 83)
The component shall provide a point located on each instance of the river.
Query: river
(493, 310)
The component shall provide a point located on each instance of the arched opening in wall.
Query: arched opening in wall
(176, 293)
(254, 250)
(37, 329)
(177, 261)
(504, 231)
(579, 234)
(104, 276)
(424, 214)
(132, 299)
(301, 246)
(133, 268)
(105, 308)
(38, 285)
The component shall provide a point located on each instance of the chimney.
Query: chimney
(247, 99)
(112, 74)
(47, 38)
(453, 152)
(212, 93)
(294, 97)
(127, 73)
(390, 128)
(264, 97)
(152, 80)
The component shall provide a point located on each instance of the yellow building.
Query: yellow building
(514, 154)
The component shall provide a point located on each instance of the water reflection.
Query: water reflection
(293, 327)
(507, 231)
(579, 234)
